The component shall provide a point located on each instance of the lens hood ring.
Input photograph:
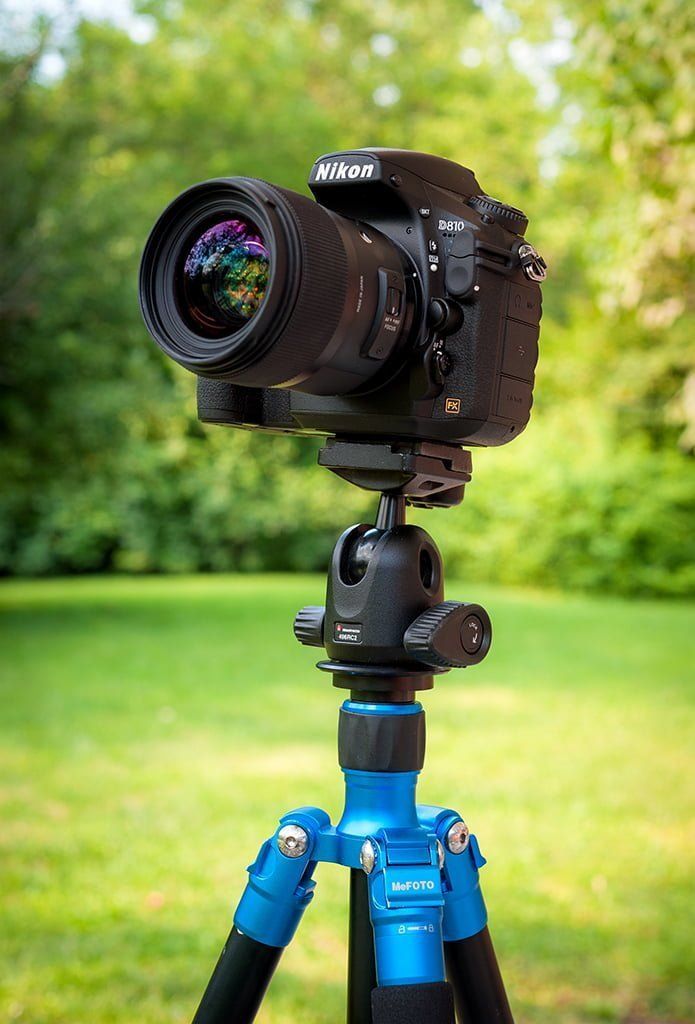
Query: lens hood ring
(171, 238)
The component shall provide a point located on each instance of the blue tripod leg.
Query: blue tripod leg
(406, 905)
(279, 889)
(471, 964)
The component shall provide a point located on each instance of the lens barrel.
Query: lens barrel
(246, 282)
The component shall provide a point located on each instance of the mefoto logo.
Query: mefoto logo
(414, 886)
(339, 170)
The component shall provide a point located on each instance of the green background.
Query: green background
(156, 715)
(153, 731)
(581, 114)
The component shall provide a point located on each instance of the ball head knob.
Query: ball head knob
(450, 635)
(308, 625)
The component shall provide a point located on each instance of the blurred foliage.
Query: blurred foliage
(580, 114)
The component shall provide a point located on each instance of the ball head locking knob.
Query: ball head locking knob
(450, 635)
(308, 625)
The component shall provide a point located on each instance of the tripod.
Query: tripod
(419, 950)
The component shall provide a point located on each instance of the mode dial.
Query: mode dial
(450, 635)
(506, 216)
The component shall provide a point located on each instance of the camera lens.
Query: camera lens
(245, 282)
(224, 277)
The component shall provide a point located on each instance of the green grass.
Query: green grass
(152, 731)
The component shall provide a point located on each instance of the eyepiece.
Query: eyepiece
(246, 282)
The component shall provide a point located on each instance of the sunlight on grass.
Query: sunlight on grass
(153, 730)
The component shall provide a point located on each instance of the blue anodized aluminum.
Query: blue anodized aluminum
(420, 892)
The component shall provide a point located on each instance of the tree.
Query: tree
(103, 460)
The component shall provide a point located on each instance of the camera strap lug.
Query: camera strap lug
(532, 263)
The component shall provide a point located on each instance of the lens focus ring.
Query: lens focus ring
(320, 300)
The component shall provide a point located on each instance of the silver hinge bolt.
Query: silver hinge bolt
(368, 856)
(293, 841)
(458, 837)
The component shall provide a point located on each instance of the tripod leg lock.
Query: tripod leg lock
(280, 885)
(465, 913)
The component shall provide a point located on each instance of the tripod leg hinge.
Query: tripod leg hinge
(280, 885)
(465, 913)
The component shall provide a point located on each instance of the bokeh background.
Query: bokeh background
(156, 716)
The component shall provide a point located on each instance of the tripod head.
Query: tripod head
(386, 627)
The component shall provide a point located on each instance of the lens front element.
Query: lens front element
(224, 278)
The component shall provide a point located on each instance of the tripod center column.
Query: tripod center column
(381, 750)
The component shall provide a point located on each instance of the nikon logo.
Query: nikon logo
(415, 886)
(343, 170)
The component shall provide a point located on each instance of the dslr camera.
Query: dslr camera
(403, 305)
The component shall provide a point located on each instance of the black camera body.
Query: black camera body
(472, 284)
(402, 306)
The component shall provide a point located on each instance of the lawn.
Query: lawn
(153, 730)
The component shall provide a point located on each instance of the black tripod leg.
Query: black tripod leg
(472, 969)
(361, 963)
(279, 889)
(239, 982)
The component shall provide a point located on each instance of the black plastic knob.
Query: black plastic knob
(308, 625)
(444, 316)
(450, 635)
(506, 216)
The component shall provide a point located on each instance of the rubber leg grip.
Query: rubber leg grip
(413, 1004)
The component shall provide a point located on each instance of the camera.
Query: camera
(403, 304)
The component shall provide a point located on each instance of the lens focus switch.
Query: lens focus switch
(389, 320)
(393, 301)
